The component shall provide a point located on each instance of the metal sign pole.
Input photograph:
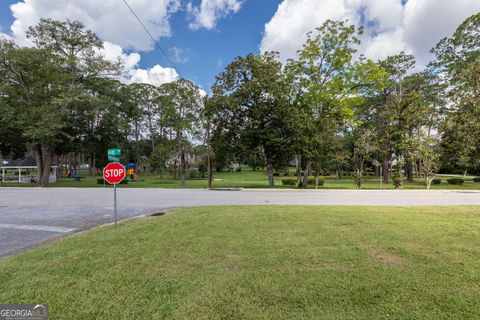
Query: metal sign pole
(115, 203)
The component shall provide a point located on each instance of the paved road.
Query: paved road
(29, 216)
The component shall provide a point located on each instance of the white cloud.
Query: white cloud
(202, 92)
(110, 19)
(5, 36)
(210, 11)
(389, 26)
(131, 74)
(113, 52)
(156, 75)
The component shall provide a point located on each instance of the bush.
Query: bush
(436, 181)
(101, 181)
(397, 180)
(457, 181)
(289, 181)
(193, 173)
(476, 179)
(239, 169)
(286, 174)
(311, 181)
(276, 174)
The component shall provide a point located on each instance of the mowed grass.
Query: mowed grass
(248, 178)
(261, 262)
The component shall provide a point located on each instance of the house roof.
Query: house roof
(29, 161)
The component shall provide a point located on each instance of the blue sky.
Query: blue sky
(209, 51)
(203, 36)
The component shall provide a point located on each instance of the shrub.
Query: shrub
(397, 180)
(239, 169)
(286, 174)
(193, 173)
(311, 181)
(476, 179)
(436, 181)
(276, 174)
(457, 181)
(289, 181)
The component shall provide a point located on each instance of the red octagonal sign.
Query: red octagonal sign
(114, 173)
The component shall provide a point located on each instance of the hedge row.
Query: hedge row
(457, 181)
(291, 181)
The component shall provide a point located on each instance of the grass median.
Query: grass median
(247, 178)
(261, 262)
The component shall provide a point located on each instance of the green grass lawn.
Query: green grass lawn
(248, 178)
(262, 262)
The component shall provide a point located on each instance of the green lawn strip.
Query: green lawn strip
(248, 178)
(261, 262)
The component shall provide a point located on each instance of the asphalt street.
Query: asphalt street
(31, 216)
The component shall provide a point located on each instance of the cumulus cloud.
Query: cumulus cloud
(155, 75)
(390, 25)
(5, 36)
(113, 52)
(110, 19)
(210, 11)
(131, 74)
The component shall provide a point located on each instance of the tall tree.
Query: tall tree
(35, 89)
(183, 103)
(458, 61)
(77, 51)
(323, 76)
(252, 106)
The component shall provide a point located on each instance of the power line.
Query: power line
(153, 39)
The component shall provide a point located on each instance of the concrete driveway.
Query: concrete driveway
(30, 216)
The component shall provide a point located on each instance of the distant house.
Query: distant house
(24, 170)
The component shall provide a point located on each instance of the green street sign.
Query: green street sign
(114, 154)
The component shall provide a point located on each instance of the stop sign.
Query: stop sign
(114, 173)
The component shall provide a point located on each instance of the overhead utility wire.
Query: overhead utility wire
(153, 39)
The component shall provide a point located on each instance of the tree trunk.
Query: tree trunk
(427, 182)
(337, 172)
(94, 165)
(298, 166)
(47, 163)
(308, 170)
(317, 174)
(386, 170)
(209, 157)
(90, 167)
(271, 181)
(174, 170)
(182, 169)
(409, 170)
(137, 147)
(39, 155)
(209, 169)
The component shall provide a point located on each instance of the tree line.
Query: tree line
(329, 110)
